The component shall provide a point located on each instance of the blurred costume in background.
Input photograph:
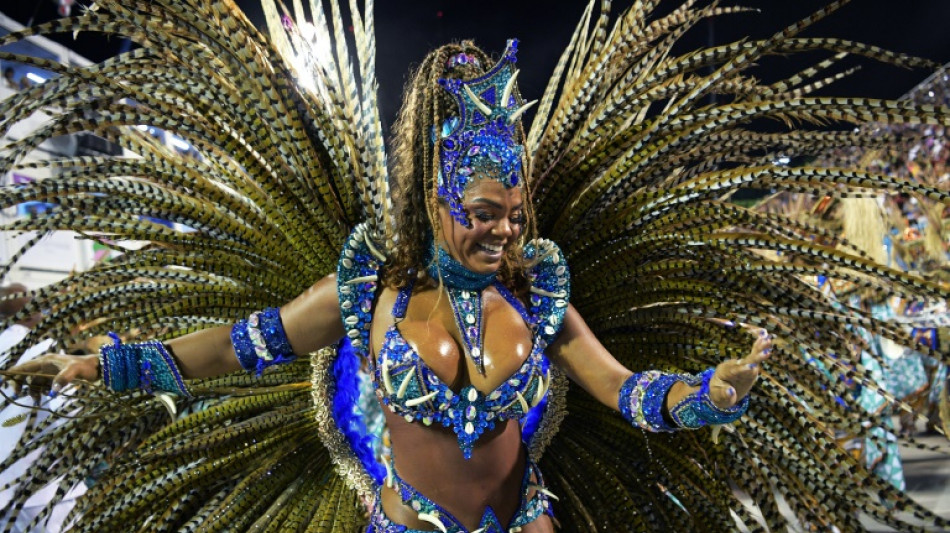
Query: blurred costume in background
(633, 155)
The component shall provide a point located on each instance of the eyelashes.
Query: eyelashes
(485, 216)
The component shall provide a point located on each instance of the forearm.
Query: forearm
(205, 353)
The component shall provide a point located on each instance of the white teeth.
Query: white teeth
(492, 248)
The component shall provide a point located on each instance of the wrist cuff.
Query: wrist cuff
(145, 365)
(697, 409)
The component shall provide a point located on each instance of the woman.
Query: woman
(467, 322)
(482, 481)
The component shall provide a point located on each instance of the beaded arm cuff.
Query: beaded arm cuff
(146, 365)
(642, 397)
(698, 409)
(260, 341)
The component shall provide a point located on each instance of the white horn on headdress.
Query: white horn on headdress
(508, 88)
(482, 106)
(514, 116)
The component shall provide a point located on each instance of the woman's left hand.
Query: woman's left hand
(733, 379)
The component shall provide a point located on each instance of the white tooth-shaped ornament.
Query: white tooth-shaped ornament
(420, 400)
(390, 478)
(539, 394)
(372, 249)
(544, 491)
(508, 88)
(169, 402)
(541, 292)
(387, 379)
(434, 520)
(404, 385)
(514, 116)
(482, 106)
(521, 400)
(479, 530)
(363, 279)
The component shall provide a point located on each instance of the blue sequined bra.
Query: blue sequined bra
(412, 390)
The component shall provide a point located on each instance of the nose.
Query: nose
(503, 228)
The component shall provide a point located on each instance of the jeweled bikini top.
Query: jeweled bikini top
(410, 388)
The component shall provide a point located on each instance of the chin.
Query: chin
(484, 267)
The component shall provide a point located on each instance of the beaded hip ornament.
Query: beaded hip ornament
(481, 142)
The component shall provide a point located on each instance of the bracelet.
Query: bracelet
(697, 409)
(260, 341)
(144, 365)
(642, 396)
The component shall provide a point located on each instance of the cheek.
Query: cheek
(479, 230)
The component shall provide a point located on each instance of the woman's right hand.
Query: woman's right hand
(51, 372)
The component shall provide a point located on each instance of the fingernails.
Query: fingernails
(767, 351)
(763, 333)
(731, 391)
(729, 324)
(752, 365)
(54, 390)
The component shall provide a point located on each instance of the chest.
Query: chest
(429, 329)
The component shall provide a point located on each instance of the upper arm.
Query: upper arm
(312, 320)
(586, 361)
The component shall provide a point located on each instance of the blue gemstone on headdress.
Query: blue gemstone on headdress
(489, 96)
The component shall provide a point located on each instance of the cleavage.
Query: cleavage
(507, 344)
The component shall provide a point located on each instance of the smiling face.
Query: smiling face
(497, 217)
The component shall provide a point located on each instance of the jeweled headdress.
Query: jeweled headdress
(481, 142)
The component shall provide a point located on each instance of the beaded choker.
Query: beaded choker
(454, 274)
(465, 294)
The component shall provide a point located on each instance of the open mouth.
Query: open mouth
(491, 249)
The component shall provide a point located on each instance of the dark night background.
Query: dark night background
(407, 29)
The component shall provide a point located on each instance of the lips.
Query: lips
(493, 250)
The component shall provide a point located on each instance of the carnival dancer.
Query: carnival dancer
(435, 273)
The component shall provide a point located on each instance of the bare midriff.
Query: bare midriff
(429, 459)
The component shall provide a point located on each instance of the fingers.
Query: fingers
(35, 377)
(65, 377)
(20, 379)
(761, 349)
(733, 379)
